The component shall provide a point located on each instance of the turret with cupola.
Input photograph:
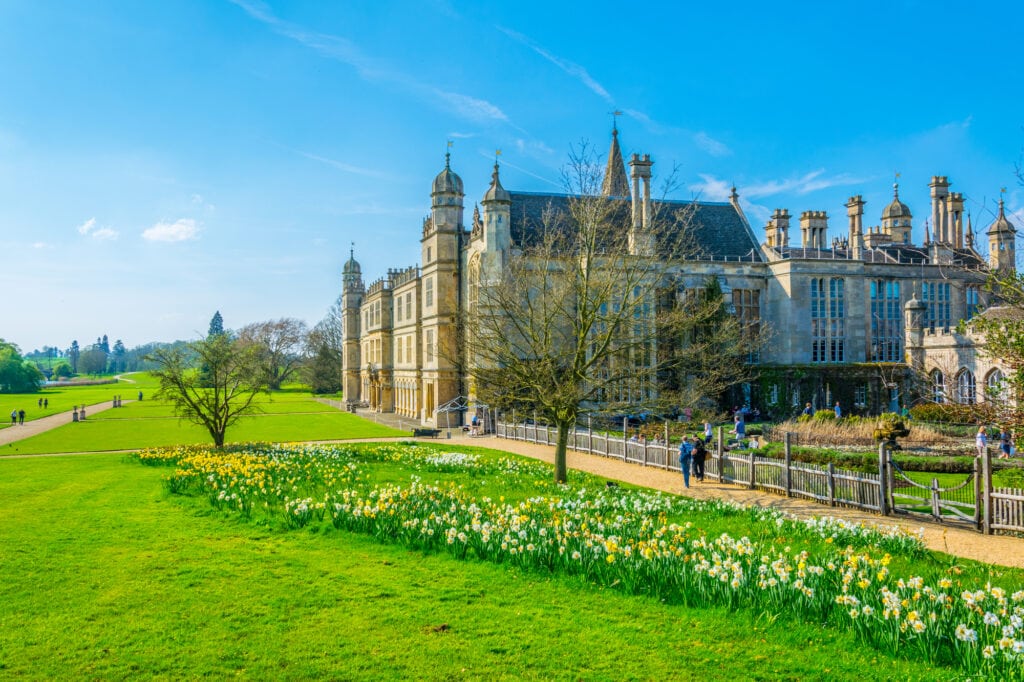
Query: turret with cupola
(1002, 236)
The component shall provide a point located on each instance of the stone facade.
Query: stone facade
(840, 312)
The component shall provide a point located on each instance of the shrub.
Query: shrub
(824, 416)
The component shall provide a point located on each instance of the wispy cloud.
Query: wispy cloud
(711, 188)
(89, 229)
(40, 245)
(183, 229)
(711, 145)
(572, 68)
(369, 69)
(804, 184)
(505, 162)
(348, 168)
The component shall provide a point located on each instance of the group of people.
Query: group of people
(693, 452)
(17, 417)
(1006, 447)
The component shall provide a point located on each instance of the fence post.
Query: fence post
(645, 452)
(936, 511)
(590, 434)
(883, 481)
(789, 464)
(721, 454)
(986, 484)
(977, 494)
(831, 484)
(753, 478)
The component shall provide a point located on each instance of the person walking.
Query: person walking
(808, 410)
(40, 403)
(708, 432)
(839, 412)
(981, 440)
(46, 403)
(14, 417)
(21, 417)
(685, 459)
(1004, 443)
(700, 453)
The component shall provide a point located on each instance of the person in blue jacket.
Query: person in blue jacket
(685, 459)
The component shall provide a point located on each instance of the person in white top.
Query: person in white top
(981, 440)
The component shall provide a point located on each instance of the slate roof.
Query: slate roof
(718, 231)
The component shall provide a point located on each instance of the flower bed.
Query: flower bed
(631, 539)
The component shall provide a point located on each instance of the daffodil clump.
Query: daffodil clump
(635, 540)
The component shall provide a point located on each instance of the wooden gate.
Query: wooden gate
(954, 503)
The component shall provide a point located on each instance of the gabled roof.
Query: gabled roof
(716, 228)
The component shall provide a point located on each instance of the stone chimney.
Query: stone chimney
(940, 227)
(640, 238)
(813, 228)
(855, 211)
(777, 230)
(955, 211)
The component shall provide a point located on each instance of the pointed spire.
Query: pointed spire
(927, 233)
(615, 182)
(970, 232)
(496, 192)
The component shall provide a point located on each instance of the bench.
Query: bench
(433, 433)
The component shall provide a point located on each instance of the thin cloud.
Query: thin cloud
(348, 168)
(809, 182)
(89, 229)
(572, 68)
(40, 245)
(711, 188)
(369, 69)
(504, 163)
(183, 229)
(711, 145)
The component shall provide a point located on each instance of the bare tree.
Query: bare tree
(586, 312)
(222, 393)
(279, 344)
(322, 366)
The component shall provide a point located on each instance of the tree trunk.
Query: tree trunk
(218, 437)
(560, 449)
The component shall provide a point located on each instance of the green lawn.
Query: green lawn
(63, 398)
(105, 575)
(128, 434)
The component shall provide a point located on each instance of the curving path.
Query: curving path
(37, 426)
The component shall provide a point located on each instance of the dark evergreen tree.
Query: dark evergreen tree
(216, 326)
(73, 354)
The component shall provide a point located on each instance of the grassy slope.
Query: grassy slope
(107, 576)
(123, 434)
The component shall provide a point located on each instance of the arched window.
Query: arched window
(995, 386)
(965, 388)
(938, 387)
(473, 282)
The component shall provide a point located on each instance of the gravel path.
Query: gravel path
(994, 549)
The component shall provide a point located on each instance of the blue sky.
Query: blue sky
(163, 160)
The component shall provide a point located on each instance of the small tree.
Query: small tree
(322, 366)
(219, 397)
(73, 353)
(278, 344)
(16, 375)
(588, 313)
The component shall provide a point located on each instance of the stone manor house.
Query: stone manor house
(867, 318)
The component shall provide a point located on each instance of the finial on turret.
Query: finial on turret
(448, 154)
(615, 116)
(352, 251)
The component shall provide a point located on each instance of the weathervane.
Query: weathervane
(615, 115)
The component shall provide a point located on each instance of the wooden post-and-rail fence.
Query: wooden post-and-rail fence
(980, 505)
